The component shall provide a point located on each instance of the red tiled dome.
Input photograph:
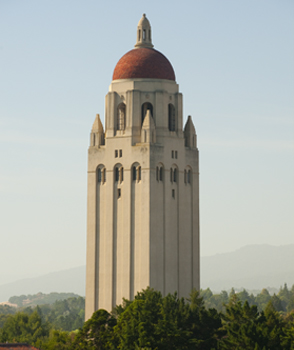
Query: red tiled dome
(144, 63)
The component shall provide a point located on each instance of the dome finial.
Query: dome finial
(144, 33)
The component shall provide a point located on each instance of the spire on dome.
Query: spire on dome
(144, 33)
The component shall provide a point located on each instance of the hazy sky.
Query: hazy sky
(234, 64)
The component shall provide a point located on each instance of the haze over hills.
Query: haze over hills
(250, 267)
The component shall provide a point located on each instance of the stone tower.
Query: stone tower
(143, 185)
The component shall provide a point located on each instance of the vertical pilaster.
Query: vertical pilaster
(91, 247)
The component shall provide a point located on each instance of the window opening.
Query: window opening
(118, 193)
(157, 173)
(171, 175)
(189, 176)
(117, 174)
(161, 174)
(173, 193)
(134, 173)
(144, 34)
(145, 107)
(185, 176)
(139, 173)
(120, 152)
(104, 175)
(99, 175)
(176, 154)
(171, 117)
(121, 116)
(172, 152)
(116, 153)
(139, 34)
(121, 174)
(175, 175)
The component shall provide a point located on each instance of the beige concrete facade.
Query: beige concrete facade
(143, 196)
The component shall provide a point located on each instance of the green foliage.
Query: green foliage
(24, 328)
(167, 323)
(205, 321)
(97, 332)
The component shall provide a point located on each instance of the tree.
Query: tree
(97, 332)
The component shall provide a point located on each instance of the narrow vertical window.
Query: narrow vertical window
(175, 175)
(121, 116)
(134, 173)
(116, 174)
(189, 177)
(139, 34)
(118, 193)
(139, 173)
(171, 117)
(161, 174)
(121, 174)
(176, 154)
(93, 139)
(99, 175)
(157, 173)
(185, 176)
(172, 154)
(104, 175)
(144, 34)
(171, 175)
(116, 153)
(173, 193)
(120, 153)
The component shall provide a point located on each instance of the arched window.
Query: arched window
(116, 174)
(171, 117)
(121, 116)
(145, 107)
(161, 174)
(99, 175)
(121, 174)
(134, 173)
(189, 176)
(175, 175)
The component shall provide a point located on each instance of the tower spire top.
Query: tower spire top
(144, 33)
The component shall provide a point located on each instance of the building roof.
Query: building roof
(144, 62)
(16, 346)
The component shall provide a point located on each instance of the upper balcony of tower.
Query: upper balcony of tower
(144, 62)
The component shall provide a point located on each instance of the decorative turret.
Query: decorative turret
(190, 134)
(148, 132)
(97, 133)
(144, 33)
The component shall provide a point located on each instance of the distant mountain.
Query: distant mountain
(250, 267)
(65, 281)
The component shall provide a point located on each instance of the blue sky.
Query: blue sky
(234, 64)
